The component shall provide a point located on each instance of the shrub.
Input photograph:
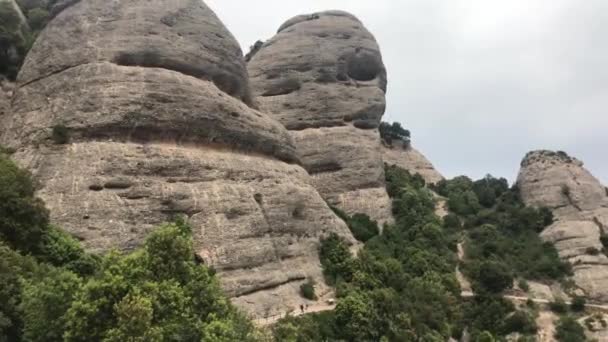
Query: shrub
(362, 227)
(60, 135)
(558, 306)
(307, 290)
(521, 322)
(523, 284)
(23, 217)
(604, 240)
(569, 330)
(578, 304)
(491, 276)
(391, 132)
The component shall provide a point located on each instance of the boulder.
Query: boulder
(580, 205)
(131, 112)
(181, 35)
(323, 78)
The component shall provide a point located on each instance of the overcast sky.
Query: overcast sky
(478, 82)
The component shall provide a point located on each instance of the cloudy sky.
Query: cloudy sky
(478, 82)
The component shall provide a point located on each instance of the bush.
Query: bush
(578, 304)
(60, 135)
(23, 218)
(491, 276)
(558, 306)
(362, 227)
(592, 251)
(523, 285)
(307, 290)
(389, 133)
(569, 330)
(521, 322)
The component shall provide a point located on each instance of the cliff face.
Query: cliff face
(408, 158)
(323, 78)
(580, 205)
(131, 112)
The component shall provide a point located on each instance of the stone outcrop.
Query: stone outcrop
(131, 112)
(323, 78)
(408, 158)
(6, 93)
(580, 205)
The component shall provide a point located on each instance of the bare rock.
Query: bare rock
(179, 35)
(322, 76)
(6, 93)
(131, 112)
(408, 158)
(108, 101)
(580, 204)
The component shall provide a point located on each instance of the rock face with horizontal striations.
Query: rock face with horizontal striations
(132, 112)
(408, 158)
(580, 205)
(323, 78)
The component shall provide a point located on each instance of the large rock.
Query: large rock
(322, 77)
(580, 204)
(180, 35)
(6, 93)
(408, 158)
(148, 96)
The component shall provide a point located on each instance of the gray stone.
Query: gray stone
(179, 35)
(580, 205)
(322, 77)
(408, 158)
(149, 94)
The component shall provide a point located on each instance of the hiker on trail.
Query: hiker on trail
(302, 307)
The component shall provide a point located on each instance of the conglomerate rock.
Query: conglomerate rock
(131, 112)
(408, 158)
(322, 76)
(580, 204)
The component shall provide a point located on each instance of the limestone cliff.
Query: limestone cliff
(580, 205)
(322, 76)
(408, 158)
(130, 112)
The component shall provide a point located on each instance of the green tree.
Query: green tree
(569, 330)
(23, 217)
(45, 301)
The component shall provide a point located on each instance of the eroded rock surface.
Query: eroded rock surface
(6, 93)
(408, 158)
(131, 112)
(580, 204)
(322, 76)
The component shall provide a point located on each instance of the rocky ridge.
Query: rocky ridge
(323, 78)
(129, 113)
(408, 158)
(580, 205)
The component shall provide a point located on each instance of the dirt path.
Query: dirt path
(546, 326)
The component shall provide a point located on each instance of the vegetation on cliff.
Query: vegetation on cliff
(51, 290)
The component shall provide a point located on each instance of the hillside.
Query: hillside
(157, 185)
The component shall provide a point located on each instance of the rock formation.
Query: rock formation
(408, 158)
(580, 205)
(322, 76)
(130, 112)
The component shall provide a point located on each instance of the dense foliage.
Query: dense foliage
(502, 240)
(51, 290)
(400, 287)
(394, 132)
